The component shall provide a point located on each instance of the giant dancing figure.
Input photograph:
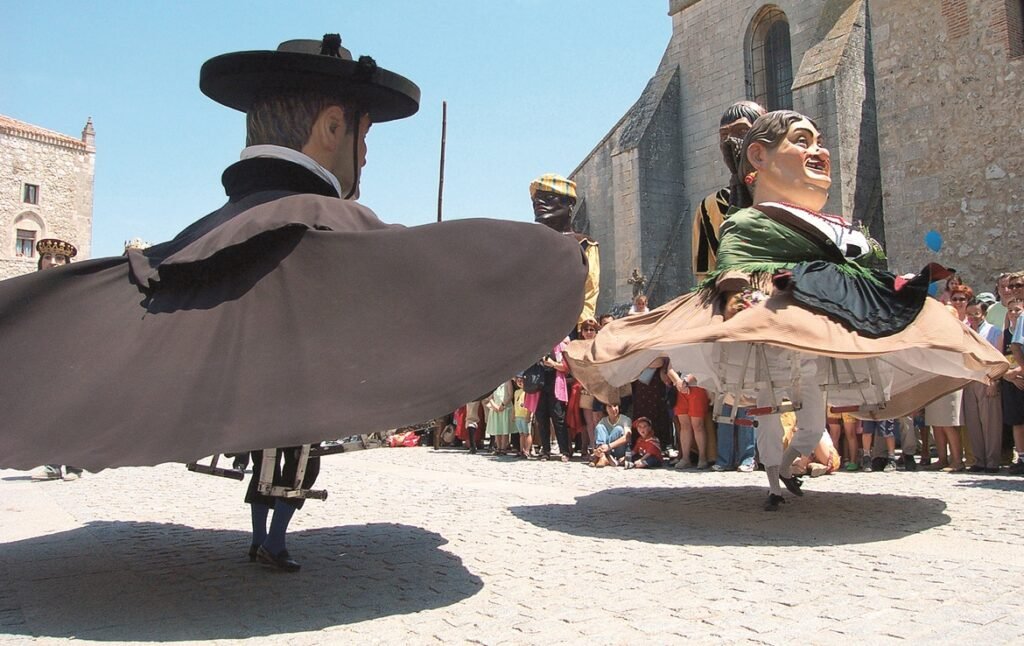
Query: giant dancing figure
(875, 343)
(252, 328)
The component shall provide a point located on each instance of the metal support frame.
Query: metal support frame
(872, 384)
(213, 470)
(306, 451)
(266, 484)
(762, 381)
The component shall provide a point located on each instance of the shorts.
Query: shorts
(522, 426)
(880, 428)
(840, 418)
(692, 404)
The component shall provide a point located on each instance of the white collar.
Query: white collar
(294, 156)
(851, 242)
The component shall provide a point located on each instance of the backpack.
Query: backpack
(533, 378)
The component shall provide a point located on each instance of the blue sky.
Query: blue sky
(531, 85)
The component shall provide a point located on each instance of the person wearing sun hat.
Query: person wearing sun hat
(253, 327)
(553, 198)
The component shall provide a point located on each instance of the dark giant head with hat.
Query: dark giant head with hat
(286, 92)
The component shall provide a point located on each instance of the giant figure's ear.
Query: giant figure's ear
(329, 129)
(757, 154)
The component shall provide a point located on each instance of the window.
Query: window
(1015, 28)
(30, 194)
(770, 63)
(25, 246)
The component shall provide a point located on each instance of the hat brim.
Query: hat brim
(238, 79)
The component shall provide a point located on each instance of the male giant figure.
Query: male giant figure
(252, 327)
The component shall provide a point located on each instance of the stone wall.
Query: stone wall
(64, 174)
(644, 180)
(949, 93)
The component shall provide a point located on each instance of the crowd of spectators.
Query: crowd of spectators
(664, 419)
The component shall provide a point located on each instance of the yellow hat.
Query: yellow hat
(56, 247)
(552, 183)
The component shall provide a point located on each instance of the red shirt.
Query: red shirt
(651, 446)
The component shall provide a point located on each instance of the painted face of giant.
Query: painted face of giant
(797, 171)
(552, 210)
(736, 129)
(50, 260)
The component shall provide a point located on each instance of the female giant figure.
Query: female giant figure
(829, 324)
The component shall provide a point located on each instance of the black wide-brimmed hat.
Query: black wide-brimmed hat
(238, 79)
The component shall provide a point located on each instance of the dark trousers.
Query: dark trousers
(549, 409)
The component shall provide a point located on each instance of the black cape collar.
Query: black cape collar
(249, 176)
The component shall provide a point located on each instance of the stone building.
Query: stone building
(920, 102)
(46, 183)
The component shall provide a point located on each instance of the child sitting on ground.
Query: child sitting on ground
(647, 452)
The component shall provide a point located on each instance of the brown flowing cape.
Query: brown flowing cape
(286, 317)
(933, 356)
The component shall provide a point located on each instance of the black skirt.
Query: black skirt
(872, 308)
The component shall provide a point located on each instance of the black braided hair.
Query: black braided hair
(731, 147)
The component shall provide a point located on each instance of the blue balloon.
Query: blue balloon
(933, 240)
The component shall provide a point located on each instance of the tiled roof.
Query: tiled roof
(28, 131)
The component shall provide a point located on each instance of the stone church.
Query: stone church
(921, 103)
(46, 188)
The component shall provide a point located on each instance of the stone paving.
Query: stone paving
(420, 546)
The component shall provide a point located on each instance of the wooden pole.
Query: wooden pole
(444, 133)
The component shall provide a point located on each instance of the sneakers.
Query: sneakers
(745, 468)
(865, 463)
(909, 463)
(717, 467)
(1017, 468)
(72, 474)
(852, 466)
(773, 502)
(890, 464)
(48, 472)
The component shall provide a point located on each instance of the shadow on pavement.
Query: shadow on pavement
(733, 516)
(139, 581)
(1012, 483)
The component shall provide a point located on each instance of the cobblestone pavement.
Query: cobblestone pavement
(418, 546)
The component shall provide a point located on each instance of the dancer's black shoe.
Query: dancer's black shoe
(794, 484)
